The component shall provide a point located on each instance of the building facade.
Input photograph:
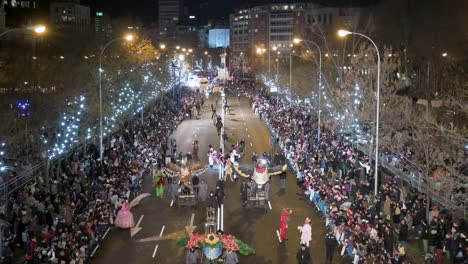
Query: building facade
(170, 15)
(70, 14)
(273, 26)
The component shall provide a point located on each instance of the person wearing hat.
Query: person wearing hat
(303, 255)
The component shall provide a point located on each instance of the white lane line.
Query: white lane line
(195, 135)
(157, 245)
(155, 250)
(246, 128)
(269, 204)
(248, 135)
(251, 144)
(105, 234)
(172, 203)
(94, 251)
(139, 220)
(278, 234)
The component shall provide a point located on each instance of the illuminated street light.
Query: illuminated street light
(162, 46)
(297, 40)
(181, 57)
(39, 29)
(129, 38)
(343, 33)
(190, 50)
(177, 47)
(444, 54)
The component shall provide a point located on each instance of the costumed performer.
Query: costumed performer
(306, 232)
(284, 223)
(158, 181)
(125, 217)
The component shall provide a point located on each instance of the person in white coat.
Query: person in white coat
(306, 232)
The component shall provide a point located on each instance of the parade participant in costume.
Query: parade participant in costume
(158, 182)
(210, 158)
(261, 176)
(125, 217)
(203, 191)
(306, 231)
(284, 223)
(228, 171)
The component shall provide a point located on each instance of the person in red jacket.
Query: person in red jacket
(284, 223)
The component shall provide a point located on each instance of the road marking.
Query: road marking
(195, 135)
(278, 234)
(246, 128)
(172, 203)
(245, 123)
(139, 220)
(157, 245)
(94, 251)
(105, 234)
(251, 144)
(269, 204)
(248, 135)
(162, 231)
(155, 250)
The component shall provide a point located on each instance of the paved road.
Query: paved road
(256, 227)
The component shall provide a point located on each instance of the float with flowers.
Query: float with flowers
(213, 245)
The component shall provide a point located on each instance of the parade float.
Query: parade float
(183, 174)
(213, 245)
(260, 176)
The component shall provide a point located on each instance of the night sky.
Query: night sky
(147, 10)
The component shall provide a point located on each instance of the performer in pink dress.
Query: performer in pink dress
(125, 217)
(306, 231)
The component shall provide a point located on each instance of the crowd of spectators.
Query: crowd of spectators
(338, 182)
(62, 220)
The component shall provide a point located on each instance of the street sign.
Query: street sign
(273, 89)
(99, 14)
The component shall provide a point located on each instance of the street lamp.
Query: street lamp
(297, 41)
(162, 46)
(38, 29)
(129, 38)
(269, 59)
(344, 33)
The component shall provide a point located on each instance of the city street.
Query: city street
(255, 226)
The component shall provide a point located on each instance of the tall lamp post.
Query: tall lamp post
(127, 38)
(269, 59)
(297, 41)
(344, 33)
(39, 29)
